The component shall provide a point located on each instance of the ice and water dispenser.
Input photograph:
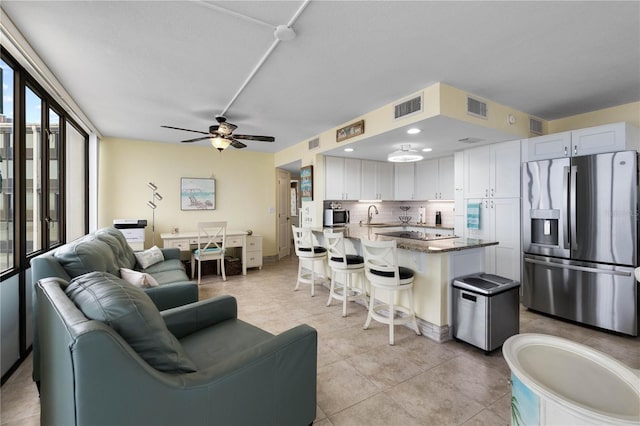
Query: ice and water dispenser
(544, 227)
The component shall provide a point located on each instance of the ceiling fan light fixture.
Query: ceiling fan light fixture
(220, 143)
(404, 155)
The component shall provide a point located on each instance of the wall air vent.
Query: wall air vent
(476, 107)
(314, 143)
(535, 126)
(408, 107)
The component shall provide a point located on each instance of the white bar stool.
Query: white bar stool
(307, 251)
(383, 272)
(348, 264)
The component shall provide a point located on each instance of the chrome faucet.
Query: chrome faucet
(369, 214)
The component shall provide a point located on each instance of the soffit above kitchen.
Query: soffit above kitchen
(134, 66)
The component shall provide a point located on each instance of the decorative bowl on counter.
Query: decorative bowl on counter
(404, 219)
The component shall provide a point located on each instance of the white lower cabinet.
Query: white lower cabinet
(499, 221)
(254, 251)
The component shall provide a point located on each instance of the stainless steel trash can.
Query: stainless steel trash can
(486, 310)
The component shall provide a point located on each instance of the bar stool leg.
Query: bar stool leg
(345, 293)
(391, 325)
(370, 314)
(332, 287)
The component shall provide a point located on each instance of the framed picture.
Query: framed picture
(197, 194)
(306, 183)
(354, 129)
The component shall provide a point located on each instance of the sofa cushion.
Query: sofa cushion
(119, 245)
(139, 279)
(149, 257)
(87, 254)
(131, 313)
(167, 265)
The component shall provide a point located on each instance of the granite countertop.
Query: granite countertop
(396, 224)
(433, 246)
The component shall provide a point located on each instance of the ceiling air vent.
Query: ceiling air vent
(314, 143)
(470, 140)
(476, 108)
(535, 126)
(408, 107)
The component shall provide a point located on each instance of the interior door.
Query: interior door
(284, 220)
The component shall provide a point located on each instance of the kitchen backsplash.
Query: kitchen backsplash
(389, 211)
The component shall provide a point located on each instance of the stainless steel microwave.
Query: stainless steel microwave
(333, 217)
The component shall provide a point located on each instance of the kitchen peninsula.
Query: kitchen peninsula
(436, 263)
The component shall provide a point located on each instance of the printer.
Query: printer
(133, 231)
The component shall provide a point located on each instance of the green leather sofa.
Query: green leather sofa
(107, 250)
(90, 375)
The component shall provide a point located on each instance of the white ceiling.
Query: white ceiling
(133, 66)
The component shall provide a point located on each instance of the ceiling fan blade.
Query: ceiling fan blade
(197, 139)
(256, 138)
(237, 144)
(186, 130)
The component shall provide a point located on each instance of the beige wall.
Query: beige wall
(245, 186)
(627, 112)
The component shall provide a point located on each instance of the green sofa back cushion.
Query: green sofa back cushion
(131, 313)
(87, 254)
(118, 243)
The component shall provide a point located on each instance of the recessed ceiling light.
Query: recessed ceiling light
(413, 131)
(348, 150)
(427, 149)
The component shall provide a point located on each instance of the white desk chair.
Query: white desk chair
(307, 251)
(211, 246)
(383, 272)
(348, 264)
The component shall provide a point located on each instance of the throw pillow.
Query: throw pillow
(149, 257)
(131, 313)
(139, 279)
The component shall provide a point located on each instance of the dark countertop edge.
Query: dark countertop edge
(444, 246)
(393, 225)
(435, 246)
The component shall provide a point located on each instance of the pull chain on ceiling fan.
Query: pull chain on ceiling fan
(221, 134)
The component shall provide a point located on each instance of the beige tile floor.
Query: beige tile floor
(361, 379)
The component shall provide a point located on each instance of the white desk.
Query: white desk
(185, 240)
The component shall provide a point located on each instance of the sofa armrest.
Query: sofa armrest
(171, 253)
(184, 320)
(171, 295)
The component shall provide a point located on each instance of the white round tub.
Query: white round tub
(559, 382)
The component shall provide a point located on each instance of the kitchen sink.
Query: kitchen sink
(379, 224)
(415, 235)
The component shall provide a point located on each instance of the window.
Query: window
(33, 167)
(6, 168)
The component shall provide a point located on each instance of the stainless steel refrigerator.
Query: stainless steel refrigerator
(580, 239)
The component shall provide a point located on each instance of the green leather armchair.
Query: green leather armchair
(91, 376)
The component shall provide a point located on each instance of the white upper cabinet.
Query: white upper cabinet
(608, 138)
(434, 179)
(376, 181)
(427, 179)
(342, 178)
(593, 140)
(549, 146)
(492, 171)
(404, 181)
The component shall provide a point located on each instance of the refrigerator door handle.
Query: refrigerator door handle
(578, 268)
(573, 202)
(565, 208)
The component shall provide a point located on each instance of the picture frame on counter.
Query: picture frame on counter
(350, 131)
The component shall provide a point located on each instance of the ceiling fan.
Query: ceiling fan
(221, 135)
